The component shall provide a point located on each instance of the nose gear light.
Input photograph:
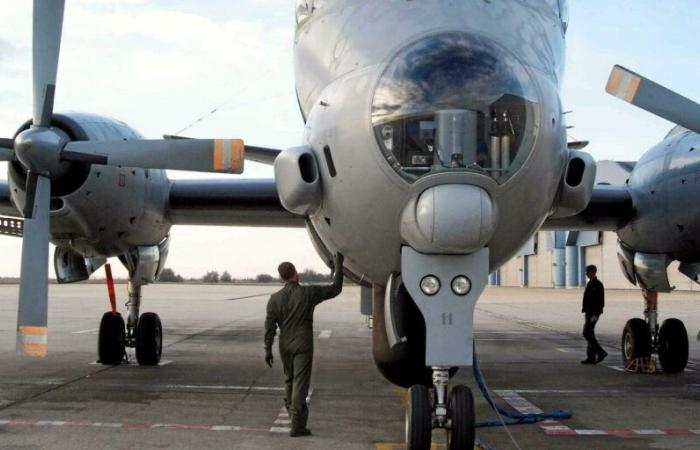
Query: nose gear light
(430, 285)
(461, 285)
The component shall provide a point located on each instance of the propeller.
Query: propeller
(35, 148)
(652, 97)
(46, 154)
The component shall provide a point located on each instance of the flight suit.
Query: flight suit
(292, 309)
(593, 304)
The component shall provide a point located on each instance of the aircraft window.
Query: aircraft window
(455, 102)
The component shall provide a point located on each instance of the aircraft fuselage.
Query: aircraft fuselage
(377, 83)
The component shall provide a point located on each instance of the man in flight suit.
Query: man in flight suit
(292, 309)
(593, 304)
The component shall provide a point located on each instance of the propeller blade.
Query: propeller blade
(262, 155)
(6, 143)
(48, 24)
(653, 97)
(33, 289)
(199, 155)
(6, 154)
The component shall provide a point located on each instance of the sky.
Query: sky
(159, 65)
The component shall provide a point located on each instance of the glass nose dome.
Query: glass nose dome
(455, 101)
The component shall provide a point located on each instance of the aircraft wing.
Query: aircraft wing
(6, 206)
(234, 202)
(610, 209)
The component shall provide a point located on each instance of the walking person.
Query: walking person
(292, 310)
(593, 304)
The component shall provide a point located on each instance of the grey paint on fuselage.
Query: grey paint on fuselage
(663, 186)
(341, 52)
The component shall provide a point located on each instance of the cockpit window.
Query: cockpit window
(454, 101)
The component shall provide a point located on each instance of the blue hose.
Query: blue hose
(514, 418)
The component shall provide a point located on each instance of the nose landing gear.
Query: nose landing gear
(445, 288)
(643, 340)
(426, 412)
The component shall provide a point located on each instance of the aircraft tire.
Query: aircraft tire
(419, 418)
(111, 340)
(149, 339)
(673, 346)
(636, 341)
(460, 410)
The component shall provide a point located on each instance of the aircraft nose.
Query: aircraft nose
(455, 101)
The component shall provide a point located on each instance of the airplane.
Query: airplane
(435, 146)
(654, 222)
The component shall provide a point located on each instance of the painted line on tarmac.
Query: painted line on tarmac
(90, 331)
(325, 334)
(132, 363)
(568, 391)
(223, 387)
(556, 428)
(126, 425)
(478, 445)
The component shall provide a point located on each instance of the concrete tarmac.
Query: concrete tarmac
(213, 389)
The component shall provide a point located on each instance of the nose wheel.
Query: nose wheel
(460, 411)
(426, 412)
(419, 418)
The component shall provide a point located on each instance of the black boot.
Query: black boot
(298, 432)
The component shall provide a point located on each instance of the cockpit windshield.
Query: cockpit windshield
(454, 101)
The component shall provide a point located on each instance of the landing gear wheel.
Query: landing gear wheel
(149, 339)
(673, 346)
(111, 341)
(419, 418)
(636, 341)
(460, 411)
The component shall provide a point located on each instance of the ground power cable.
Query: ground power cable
(515, 418)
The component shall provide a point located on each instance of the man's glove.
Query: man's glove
(268, 358)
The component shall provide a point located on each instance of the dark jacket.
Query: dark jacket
(292, 309)
(593, 298)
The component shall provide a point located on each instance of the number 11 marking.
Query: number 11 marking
(447, 318)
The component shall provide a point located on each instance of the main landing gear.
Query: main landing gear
(642, 339)
(427, 409)
(144, 333)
